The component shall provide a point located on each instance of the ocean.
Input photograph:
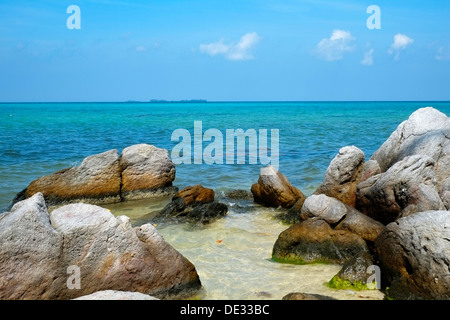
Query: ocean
(40, 138)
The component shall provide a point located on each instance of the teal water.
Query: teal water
(38, 139)
(231, 255)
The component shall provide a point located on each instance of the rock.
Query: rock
(146, 171)
(414, 256)
(370, 169)
(97, 180)
(343, 175)
(274, 190)
(116, 295)
(306, 296)
(407, 187)
(141, 171)
(38, 249)
(326, 208)
(425, 133)
(445, 193)
(340, 215)
(196, 204)
(357, 273)
(239, 194)
(292, 215)
(360, 224)
(313, 241)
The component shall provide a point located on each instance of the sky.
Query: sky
(227, 50)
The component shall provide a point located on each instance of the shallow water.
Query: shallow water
(232, 255)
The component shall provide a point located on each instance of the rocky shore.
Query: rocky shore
(386, 220)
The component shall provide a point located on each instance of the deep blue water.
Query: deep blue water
(41, 138)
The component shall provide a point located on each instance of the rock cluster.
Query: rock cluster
(42, 254)
(140, 171)
(387, 212)
(195, 204)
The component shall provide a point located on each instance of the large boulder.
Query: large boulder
(407, 187)
(146, 170)
(414, 256)
(96, 180)
(141, 171)
(274, 190)
(39, 249)
(314, 241)
(425, 133)
(195, 204)
(343, 175)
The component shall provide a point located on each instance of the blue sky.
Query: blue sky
(289, 50)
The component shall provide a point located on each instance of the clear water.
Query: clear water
(39, 139)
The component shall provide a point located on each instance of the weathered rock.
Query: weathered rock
(37, 250)
(360, 224)
(445, 193)
(340, 215)
(97, 180)
(414, 256)
(358, 273)
(370, 169)
(116, 295)
(146, 171)
(274, 190)
(292, 215)
(425, 133)
(196, 204)
(324, 207)
(343, 175)
(314, 241)
(239, 194)
(141, 171)
(407, 187)
(306, 296)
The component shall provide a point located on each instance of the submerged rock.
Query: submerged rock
(38, 249)
(274, 190)
(194, 203)
(414, 256)
(314, 241)
(343, 175)
(407, 187)
(306, 296)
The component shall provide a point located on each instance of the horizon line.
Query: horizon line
(187, 101)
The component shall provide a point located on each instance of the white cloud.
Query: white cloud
(368, 58)
(334, 47)
(400, 43)
(443, 54)
(141, 49)
(233, 51)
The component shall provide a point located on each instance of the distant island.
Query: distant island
(169, 101)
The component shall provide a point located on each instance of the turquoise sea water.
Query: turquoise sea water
(41, 138)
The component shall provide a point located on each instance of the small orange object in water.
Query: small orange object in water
(219, 241)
